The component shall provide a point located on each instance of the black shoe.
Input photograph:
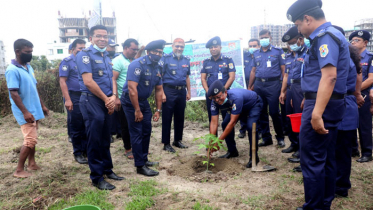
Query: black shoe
(296, 154)
(294, 160)
(229, 155)
(264, 144)
(168, 148)
(179, 144)
(144, 170)
(119, 136)
(250, 164)
(290, 149)
(114, 176)
(150, 164)
(364, 159)
(104, 185)
(297, 169)
(281, 143)
(299, 208)
(111, 139)
(70, 140)
(355, 153)
(81, 159)
(242, 135)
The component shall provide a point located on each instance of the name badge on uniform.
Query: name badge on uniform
(100, 73)
(220, 76)
(98, 61)
(146, 83)
(173, 72)
(269, 64)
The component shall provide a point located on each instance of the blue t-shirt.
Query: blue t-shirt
(174, 71)
(69, 69)
(239, 100)
(23, 81)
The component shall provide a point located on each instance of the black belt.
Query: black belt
(140, 99)
(86, 94)
(175, 87)
(267, 79)
(72, 92)
(292, 81)
(349, 93)
(335, 96)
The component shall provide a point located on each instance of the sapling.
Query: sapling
(211, 143)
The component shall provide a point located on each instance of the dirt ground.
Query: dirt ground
(230, 186)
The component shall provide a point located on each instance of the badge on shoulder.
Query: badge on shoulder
(85, 59)
(324, 51)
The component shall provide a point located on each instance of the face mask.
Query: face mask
(295, 47)
(252, 50)
(154, 58)
(264, 42)
(99, 49)
(25, 58)
(307, 43)
(111, 53)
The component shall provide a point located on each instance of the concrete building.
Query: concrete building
(277, 31)
(364, 24)
(76, 28)
(2, 58)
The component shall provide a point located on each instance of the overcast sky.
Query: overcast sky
(148, 20)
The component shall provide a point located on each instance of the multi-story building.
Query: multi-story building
(76, 28)
(277, 31)
(364, 24)
(2, 58)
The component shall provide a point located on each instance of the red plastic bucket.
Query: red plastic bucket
(295, 120)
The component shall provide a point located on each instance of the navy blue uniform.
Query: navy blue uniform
(69, 69)
(247, 59)
(223, 66)
(346, 136)
(365, 118)
(147, 75)
(293, 65)
(318, 151)
(95, 114)
(245, 103)
(268, 86)
(174, 74)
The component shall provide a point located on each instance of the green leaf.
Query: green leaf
(204, 162)
(211, 164)
(197, 152)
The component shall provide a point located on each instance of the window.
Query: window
(59, 51)
(50, 52)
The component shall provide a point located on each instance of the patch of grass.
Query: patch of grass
(44, 150)
(91, 197)
(199, 206)
(254, 201)
(142, 194)
(196, 111)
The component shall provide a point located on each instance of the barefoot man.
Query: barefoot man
(27, 107)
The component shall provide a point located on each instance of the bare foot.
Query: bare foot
(22, 174)
(33, 167)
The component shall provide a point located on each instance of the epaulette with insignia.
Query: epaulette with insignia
(86, 49)
(224, 56)
(207, 59)
(67, 59)
(142, 61)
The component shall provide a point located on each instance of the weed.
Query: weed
(199, 206)
(142, 193)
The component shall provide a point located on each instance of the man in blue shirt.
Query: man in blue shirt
(268, 68)
(291, 91)
(97, 103)
(217, 67)
(240, 104)
(69, 83)
(175, 70)
(248, 58)
(360, 39)
(323, 83)
(142, 76)
(27, 107)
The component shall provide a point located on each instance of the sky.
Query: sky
(148, 20)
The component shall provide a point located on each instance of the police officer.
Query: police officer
(268, 67)
(360, 39)
(97, 103)
(217, 67)
(175, 70)
(248, 58)
(142, 76)
(291, 91)
(324, 76)
(69, 83)
(240, 104)
(347, 128)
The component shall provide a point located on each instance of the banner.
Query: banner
(198, 52)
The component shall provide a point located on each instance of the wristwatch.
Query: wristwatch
(115, 94)
(159, 110)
